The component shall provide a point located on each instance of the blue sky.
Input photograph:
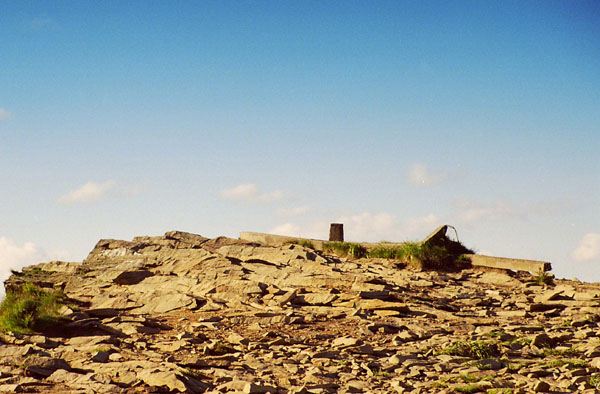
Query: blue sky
(120, 119)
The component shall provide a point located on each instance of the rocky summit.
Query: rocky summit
(183, 313)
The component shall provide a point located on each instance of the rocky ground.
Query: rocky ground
(182, 313)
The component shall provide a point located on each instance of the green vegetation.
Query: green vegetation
(381, 373)
(556, 352)
(36, 271)
(222, 348)
(448, 255)
(468, 378)
(569, 363)
(387, 252)
(338, 363)
(440, 384)
(345, 249)
(30, 309)
(192, 374)
(302, 242)
(472, 349)
(505, 390)
(499, 334)
(514, 367)
(543, 278)
(520, 341)
(470, 388)
(594, 381)
(479, 365)
(425, 256)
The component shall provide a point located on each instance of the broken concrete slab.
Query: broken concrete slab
(532, 266)
(277, 240)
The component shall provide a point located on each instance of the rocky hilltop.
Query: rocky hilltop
(183, 313)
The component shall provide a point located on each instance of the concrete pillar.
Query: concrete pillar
(336, 232)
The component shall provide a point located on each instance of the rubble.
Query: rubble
(183, 313)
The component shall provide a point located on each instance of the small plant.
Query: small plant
(338, 363)
(471, 388)
(82, 271)
(473, 349)
(500, 335)
(468, 378)
(514, 367)
(440, 384)
(519, 341)
(36, 271)
(222, 348)
(345, 249)
(381, 373)
(558, 352)
(594, 382)
(387, 252)
(302, 242)
(192, 374)
(505, 390)
(30, 309)
(422, 256)
(480, 366)
(569, 363)
(543, 278)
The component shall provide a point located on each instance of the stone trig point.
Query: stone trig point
(336, 232)
(437, 237)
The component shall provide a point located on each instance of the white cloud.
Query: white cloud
(14, 256)
(365, 227)
(419, 175)
(588, 248)
(250, 192)
(4, 114)
(368, 227)
(90, 192)
(471, 211)
(420, 226)
(294, 211)
(273, 196)
(289, 229)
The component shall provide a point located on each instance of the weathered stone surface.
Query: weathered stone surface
(162, 378)
(181, 313)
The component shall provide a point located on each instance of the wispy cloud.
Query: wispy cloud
(43, 22)
(294, 211)
(90, 192)
(367, 226)
(468, 211)
(289, 229)
(420, 175)
(419, 226)
(588, 248)
(250, 192)
(4, 114)
(14, 256)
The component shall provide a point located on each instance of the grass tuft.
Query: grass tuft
(30, 309)
(544, 278)
(345, 249)
(471, 388)
(473, 349)
(302, 242)
(424, 256)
